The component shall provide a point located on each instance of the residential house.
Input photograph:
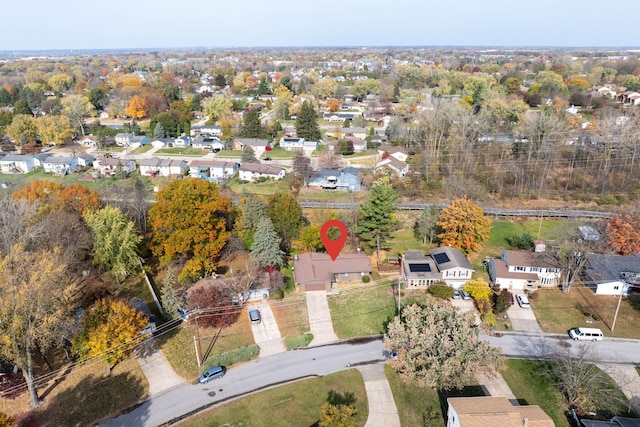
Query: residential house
(59, 165)
(443, 264)
(340, 116)
(258, 145)
(347, 179)
(16, 163)
(611, 274)
(292, 144)
(209, 143)
(521, 270)
(141, 140)
(162, 167)
(397, 152)
(109, 166)
(213, 170)
(182, 141)
(314, 271)
(124, 139)
(206, 131)
(162, 143)
(39, 158)
(85, 160)
(396, 166)
(494, 411)
(87, 141)
(613, 422)
(250, 172)
(359, 145)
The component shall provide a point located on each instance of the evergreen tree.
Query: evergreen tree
(220, 80)
(248, 155)
(425, 225)
(286, 216)
(168, 296)
(377, 216)
(263, 86)
(251, 127)
(265, 250)
(158, 131)
(306, 123)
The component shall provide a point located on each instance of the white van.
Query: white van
(589, 334)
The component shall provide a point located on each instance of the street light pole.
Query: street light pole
(615, 316)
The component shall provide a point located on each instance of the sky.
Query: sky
(133, 24)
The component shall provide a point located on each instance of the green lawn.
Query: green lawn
(362, 311)
(182, 151)
(531, 386)
(229, 154)
(266, 188)
(278, 153)
(296, 404)
(143, 149)
(291, 315)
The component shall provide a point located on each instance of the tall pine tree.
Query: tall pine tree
(377, 216)
(251, 127)
(306, 123)
(265, 250)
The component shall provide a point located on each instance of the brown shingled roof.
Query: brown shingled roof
(316, 267)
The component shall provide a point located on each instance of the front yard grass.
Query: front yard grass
(558, 312)
(178, 344)
(297, 404)
(529, 383)
(265, 188)
(291, 315)
(182, 151)
(143, 149)
(278, 153)
(362, 311)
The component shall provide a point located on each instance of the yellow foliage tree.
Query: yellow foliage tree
(55, 129)
(464, 226)
(115, 330)
(481, 294)
(337, 416)
(137, 108)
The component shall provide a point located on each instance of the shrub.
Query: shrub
(366, 279)
(533, 296)
(501, 301)
(490, 319)
(441, 291)
(232, 357)
(298, 341)
(521, 241)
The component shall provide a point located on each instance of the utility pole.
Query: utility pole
(615, 316)
(399, 290)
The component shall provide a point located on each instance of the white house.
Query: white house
(162, 167)
(182, 141)
(611, 274)
(213, 169)
(398, 167)
(250, 172)
(16, 163)
(521, 270)
(206, 131)
(124, 139)
(291, 143)
(60, 165)
(85, 160)
(443, 264)
(396, 152)
(162, 143)
(110, 165)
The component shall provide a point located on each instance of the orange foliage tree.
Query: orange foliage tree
(191, 219)
(75, 197)
(624, 234)
(464, 226)
(137, 108)
(45, 192)
(332, 105)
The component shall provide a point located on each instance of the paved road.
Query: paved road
(250, 377)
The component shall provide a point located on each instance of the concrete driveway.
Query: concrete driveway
(266, 333)
(466, 305)
(320, 318)
(523, 319)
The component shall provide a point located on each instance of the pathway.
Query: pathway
(496, 387)
(382, 408)
(157, 369)
(626, 377)
(320, 318)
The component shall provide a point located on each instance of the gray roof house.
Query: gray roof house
(313, 271)
(250, 172)
(16, 163)
(59, 165)
(443, 264)
(347, 179)
(162, 167)
(611, 274)
(213, 170)
(85, 159)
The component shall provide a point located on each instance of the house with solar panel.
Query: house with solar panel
(442, 265)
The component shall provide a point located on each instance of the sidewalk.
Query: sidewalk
(157, 369)
(382, 408)
(496, 387)
(626, 377)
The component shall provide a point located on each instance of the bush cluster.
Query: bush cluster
(441, 291)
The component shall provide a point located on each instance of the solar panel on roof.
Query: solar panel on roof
(441, 258)
(419, 268)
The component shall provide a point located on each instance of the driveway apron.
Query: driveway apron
(382, 408)
(157, 369)
(266, 333)
(320, 318)
(523, 319)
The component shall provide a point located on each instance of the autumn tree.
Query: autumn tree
(623, 232)
(76, 107)
(283, 102)
(212, 307)
(286, 215)
(265, 250)
(464, 226)
(110, 329)
(337, 415)
(78, 198)
(137, 108)
(310, 240)
(438, 347)
(191, 220)
(168, 297)
(377, 216)
(307, 124)
(22, 129)
(35, 292)
(115, 241)
(216, 106)
(42, 191)
(481, 294)
(301, 165)
(54, 129)
(332, 105)
(60, 82)
(425, 226)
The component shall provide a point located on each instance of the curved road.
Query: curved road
(272, 371)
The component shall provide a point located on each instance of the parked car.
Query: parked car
(523, 301)
(211, 374)
(456, 294)
(465, 294)
(267, 159)
(254, 316)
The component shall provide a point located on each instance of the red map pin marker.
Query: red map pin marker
(333, 247)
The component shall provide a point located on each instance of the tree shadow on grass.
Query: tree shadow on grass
(93, 398)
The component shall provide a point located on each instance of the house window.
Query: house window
(615, 288)
(535, 269)
(518, 268)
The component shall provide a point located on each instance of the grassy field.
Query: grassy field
(266, 188)
(297, 404)
(291, 315)
(362, 311)
(178, 344)
(83, 394)
(182, 151)
(529, 384)
(278, 153)
(230, 154)
(558, 312)
(143, 149)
